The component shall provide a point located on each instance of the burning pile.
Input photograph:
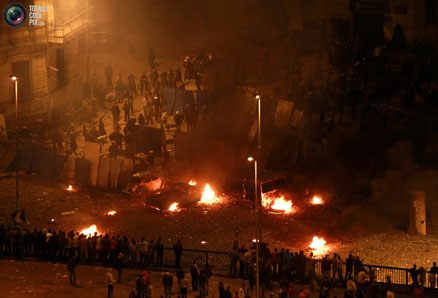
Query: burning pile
(111, 212)
(318, 246)
(174, 207)
(90, 231)
(192, 182)
(209, 196)
(273, 201)
(317, 200)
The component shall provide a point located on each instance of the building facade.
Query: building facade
(51, 60)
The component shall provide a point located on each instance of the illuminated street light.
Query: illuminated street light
(257, 209)
(15, 79)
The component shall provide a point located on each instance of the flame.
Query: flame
(89, 231)
(318, 246)
(209, 196)
(282, 204)
(277, 203)
(111, 212)
(70, 188)
(174, 207)
(203, 242)
(317, 200)
(192, 182)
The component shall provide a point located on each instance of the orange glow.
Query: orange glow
(174, 207)
(276, 203)
(70, 188)
(209, 196)
(90, 231)
(281, 204)
(112, 212)
(317, 200)
(318, 246)
(192, 182)
(203, 242)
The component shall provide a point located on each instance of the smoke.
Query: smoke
(388, 205)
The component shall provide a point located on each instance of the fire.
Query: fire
(317, 200)
(277, 203)
(174, 207)
(90, 230)
(209, 196)
(111, 212)
(203, 242)
(70, 188)
(192, 182)
(318, 246)
(282, 204)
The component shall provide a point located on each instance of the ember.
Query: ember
(203, 242)
(317, 200)
(209, 196)
(174, 207)
(192, 182)
(70, 188)
(318, 246)
(90, 230)
(111, 212)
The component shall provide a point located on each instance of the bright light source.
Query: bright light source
(250, 159)
(203, 242)
(112, 212)
(14, 78)
(257, 96)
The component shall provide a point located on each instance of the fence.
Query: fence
(221, 260)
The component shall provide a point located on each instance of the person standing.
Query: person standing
(119, 266)
(203, 284)
(71, 266)
(178, 120)
(221, 290)
(167, 285)
(110, 282)
(140, 286)
(349, 267)
(194, 272)
(127, 110)
(109, 75)
(183, 285)
(178, 250)
(432, 275)
(160, 251)
(414, 275)
(116, 114)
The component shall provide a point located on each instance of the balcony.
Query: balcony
(77, 24)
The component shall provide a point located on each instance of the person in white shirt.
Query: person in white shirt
(110, 282)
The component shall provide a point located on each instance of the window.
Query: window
(431, 12)
(22, 71)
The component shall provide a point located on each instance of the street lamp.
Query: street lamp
(259, 146)
(15, 79)
(257, 239)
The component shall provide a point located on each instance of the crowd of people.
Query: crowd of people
(283, 266)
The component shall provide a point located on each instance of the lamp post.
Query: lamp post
(257, 239)
(259, 146)
(15, 79)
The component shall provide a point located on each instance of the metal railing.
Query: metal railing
(221, 260)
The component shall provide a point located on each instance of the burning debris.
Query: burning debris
(111, 212)
(90, 231)
(272, 201)
(174, 207)
(70, 188)
(209, 196)
(318, 246)
(316, 201)
(192, 182)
